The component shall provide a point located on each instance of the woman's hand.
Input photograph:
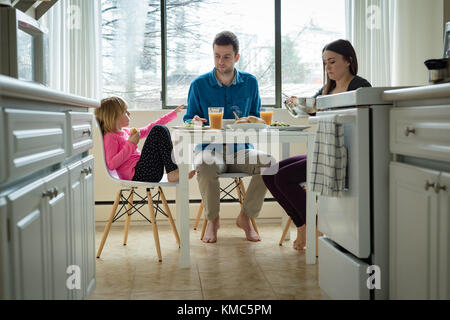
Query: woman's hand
(179, 108)
(134, 138)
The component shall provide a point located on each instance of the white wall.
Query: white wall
(105, 190)
(418, 36)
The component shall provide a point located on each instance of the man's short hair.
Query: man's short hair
(226, 38)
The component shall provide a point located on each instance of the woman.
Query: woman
(340, 67)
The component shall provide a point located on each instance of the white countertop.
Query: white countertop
(436, 91)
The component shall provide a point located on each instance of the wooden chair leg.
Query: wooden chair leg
(108, 225)
(199, 215)
(169, 214)
(205, 223)
(286, 229)
(154, 227)
(241, 199)
(128, 216)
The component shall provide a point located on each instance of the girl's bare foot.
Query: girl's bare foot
(243, 222)
(210, 235)
(300, 242)
(174, 176)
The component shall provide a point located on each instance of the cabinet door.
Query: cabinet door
(3, 161)
(413, 227)
(58, 227)
(5, 273)
(444, 238)
(76, 222)
(28, 242)
(88, 181)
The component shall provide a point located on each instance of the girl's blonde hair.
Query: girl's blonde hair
(110, 110)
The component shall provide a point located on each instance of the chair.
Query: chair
(237, 185)
(288, 225)
(131, 208)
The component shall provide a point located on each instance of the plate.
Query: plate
(191, 128)
(246, 126)
(291, 128)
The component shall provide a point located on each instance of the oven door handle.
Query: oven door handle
(340, 119)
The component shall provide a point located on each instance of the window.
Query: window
(151, 64)
(307, 26)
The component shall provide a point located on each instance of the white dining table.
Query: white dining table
(267, 140)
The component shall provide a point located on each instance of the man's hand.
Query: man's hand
(198, 121)
(134, 138)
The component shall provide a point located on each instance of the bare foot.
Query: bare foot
(243, 222)
(300, 242)
(210, 235)
(174, 176)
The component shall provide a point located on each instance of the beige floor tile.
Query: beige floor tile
(167, 295)
(240, 294)
(232, 268)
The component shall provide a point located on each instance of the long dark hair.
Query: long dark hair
(344, 48)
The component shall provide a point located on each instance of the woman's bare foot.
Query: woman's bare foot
(210, 235)
(243, 222)
(300, 242)
(174, 176)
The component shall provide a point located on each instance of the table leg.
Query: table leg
(310, 209)
(182, 205)
(285, 153)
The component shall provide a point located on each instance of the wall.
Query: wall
(418, 36)
(446, 11)
(106, 191)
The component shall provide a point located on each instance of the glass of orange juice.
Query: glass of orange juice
(266, 115)
(215, 117)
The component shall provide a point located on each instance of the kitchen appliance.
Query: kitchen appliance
(355, 226)
(439, 69)
(24, 46)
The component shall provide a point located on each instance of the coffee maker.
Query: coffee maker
(439, 69)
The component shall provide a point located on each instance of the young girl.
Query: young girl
(120, 143)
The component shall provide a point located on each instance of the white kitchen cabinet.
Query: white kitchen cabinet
(46, 193)
(82, 221)
(414, 232)
(444, 238)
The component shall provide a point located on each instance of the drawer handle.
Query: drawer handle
(428, 185)
(408, 131)
(90, 170)
(48, 193)
(439, 188)
(88, 131)
(55, 192)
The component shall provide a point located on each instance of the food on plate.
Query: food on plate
(279, 124)
(249, 119)
(133, 131)
(192, 124)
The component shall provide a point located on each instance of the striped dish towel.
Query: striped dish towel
(329, 163)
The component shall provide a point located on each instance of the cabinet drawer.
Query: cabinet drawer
(80, 134)
(422, 132)
(34, 140)
(3, 153)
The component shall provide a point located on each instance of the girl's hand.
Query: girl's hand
(134, 138)
(179, 108)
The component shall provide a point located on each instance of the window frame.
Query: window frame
(278, 84)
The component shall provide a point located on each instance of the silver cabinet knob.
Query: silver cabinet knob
(90, 170)
(55, 192)
(88, 132)
(408, 131)
(438, 188)
(429, 185)
(47, 193)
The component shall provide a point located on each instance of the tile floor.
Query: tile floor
(232, 268)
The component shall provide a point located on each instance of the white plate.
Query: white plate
(290, 128)
(191, 128)
(245, 126)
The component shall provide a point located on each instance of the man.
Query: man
(237, 92)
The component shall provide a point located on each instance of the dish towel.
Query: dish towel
(329, 163)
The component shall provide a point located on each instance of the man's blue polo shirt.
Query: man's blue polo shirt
(242, 97)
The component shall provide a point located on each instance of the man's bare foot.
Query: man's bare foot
(243, 222)
(210, 235)
(300, 242)
(174, 176)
